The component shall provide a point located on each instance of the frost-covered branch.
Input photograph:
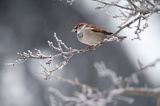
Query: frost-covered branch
(119, 90)
(63, 52)
(131, 12)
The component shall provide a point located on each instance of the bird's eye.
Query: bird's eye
(76, 27)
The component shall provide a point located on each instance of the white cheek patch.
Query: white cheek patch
(81, 30)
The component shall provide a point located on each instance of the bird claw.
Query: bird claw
(91, 47)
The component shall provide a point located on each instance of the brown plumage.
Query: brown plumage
(92, 35)
(95, 28)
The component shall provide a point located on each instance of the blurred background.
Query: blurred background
(29, 24)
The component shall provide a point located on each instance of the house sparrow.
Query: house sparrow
(91, 35)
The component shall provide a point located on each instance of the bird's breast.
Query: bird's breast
(91, 38)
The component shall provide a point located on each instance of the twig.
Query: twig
(126, 25)
(149, 65)
(76, 83)
(155, 92)
(112, 4)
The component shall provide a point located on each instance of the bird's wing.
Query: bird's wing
(97, 29)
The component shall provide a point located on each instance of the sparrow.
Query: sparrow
(92, 35)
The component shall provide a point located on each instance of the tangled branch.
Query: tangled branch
(132, 11)
(119, 90)
(62, 51)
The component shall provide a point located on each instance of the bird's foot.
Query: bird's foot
(90, 48)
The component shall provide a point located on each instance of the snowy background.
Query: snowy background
(28, 24)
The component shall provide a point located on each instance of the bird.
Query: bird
(92, 35)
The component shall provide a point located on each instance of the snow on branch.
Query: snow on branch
(91, 96)
(62, 51)
(132, 11)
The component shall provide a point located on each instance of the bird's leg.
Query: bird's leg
(90, 48)
(102, 43)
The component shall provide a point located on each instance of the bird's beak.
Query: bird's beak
(73, 30)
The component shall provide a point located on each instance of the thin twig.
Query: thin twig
(112, 4)
(126, 25)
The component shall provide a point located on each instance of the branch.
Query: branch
(152, 64)
(130, 10)
(112, 4)
(88, 97)
(155, 92)
(76, 83)
(126, 25)
(133, 78)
